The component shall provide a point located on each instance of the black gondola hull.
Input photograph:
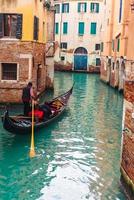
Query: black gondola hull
(24, 126)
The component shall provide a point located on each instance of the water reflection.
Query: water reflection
(77, 155)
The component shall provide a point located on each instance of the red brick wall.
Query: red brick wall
(127, 162)
(93, 69)
(10, 52)
(128, 155)
(129, 91)
(62, 67)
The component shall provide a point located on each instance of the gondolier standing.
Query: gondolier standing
(27, 96)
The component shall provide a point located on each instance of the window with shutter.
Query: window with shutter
(57, 8)
(93, 28)
(36, 27)
(81, 28)
(82, 7)
(56, 28)
(19, 27)
(11, 25)
(97, 47)
(65, 27)
(63, 45)
(65, 8)
(1, 26)
(94, 7)
(120, 11)
(118, 44)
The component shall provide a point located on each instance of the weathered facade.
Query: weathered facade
(23, 37)
(77, 35)
(50, 47)
(114, 41)
(117, 69)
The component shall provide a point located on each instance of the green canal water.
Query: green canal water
(77, 156)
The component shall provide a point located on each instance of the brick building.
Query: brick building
(114, 40)
(23, 38)
(117, 69)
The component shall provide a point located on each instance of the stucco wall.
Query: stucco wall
(28, 9)
(72, 38)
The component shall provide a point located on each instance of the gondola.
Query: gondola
(22, 125)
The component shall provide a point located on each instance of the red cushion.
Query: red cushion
(37, 113)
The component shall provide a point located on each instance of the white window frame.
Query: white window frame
(9, 81)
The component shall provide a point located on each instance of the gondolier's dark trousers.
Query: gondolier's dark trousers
(27, 108)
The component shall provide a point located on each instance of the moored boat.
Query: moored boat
(22, 125)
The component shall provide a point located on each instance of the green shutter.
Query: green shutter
(65, 26)
(68, 7)
(79, 7)
(85, 7)
(97, 7)
(81, 28)
(118, 45)
(56, 28)
(65, 8)
(93, 28)
(91, 7)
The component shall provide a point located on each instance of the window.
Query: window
(113, 45)
(93, 28)
(62, 58)
(120, 11)
(102, 46)
(82, 7)
(118, 45)
(81, 28)
(98, 62)
(9, 71)
(94, 7)
(65, 27)
(63, 45)
(11, 26)
(36, 27)
(97, 47)
(43, 31)
(57, 8)
(65, 8)
(56, 28)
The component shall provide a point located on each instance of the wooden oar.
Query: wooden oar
(32, 150)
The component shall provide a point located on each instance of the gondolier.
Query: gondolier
(27, 95)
